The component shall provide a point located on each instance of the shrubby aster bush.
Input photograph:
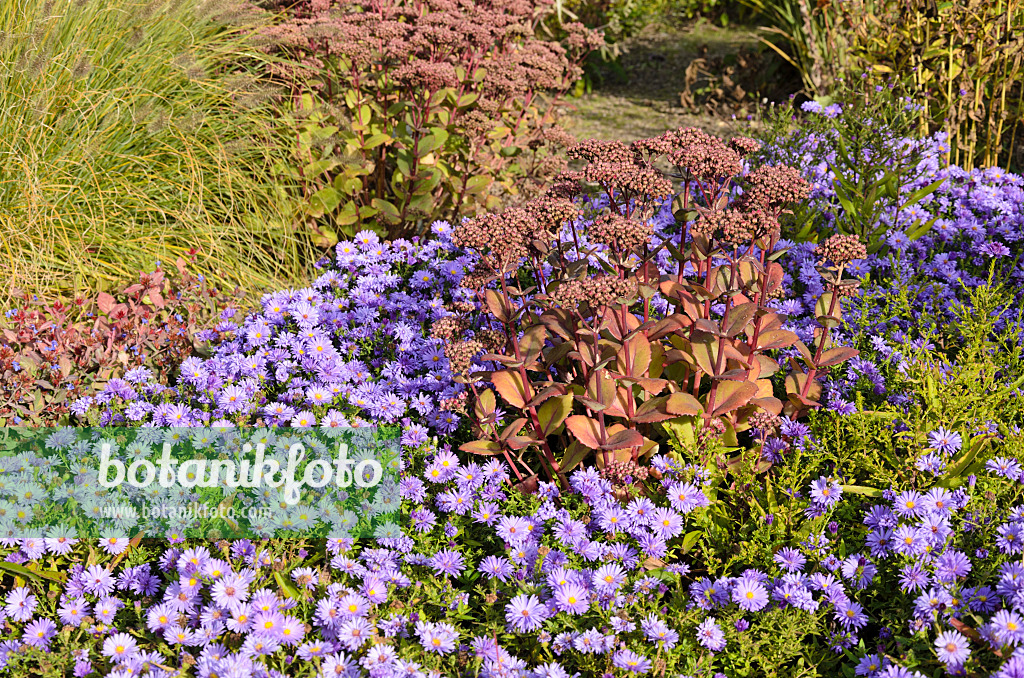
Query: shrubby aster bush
(557, 583)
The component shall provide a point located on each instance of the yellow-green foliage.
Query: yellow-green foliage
(124, 138)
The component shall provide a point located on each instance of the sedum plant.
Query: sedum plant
(410, 111)
(601, 342)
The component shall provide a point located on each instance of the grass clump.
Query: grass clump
(125, 137)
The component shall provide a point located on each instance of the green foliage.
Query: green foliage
(811, 40)
(124, 139)
(865, 147)
(964, 59)
(965, 376)
(460, 117)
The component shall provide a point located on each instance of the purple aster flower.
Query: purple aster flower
(952, 648)
(825, 493)
(609, 576)
(710, 636)
(850, 615)
(39, 632)
(631, 661)
(572, 598)
(525, 613)
(790, 559)
(120, 646)
(945, 442)
(750, 595)
(21, 603)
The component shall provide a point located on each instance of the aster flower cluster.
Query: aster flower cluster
(355, 345)
(589, 575)
(976, 216)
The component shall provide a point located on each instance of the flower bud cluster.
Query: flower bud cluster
(706, 157)
(735, 227)
(461, 353)
(491, 340)
(773, 187)
(841, 249)
(744, 145)
(598, 291)
(623, 473)
(449, 328)
(620, 233)
(765, 422)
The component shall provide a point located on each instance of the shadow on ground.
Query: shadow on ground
(702, 76)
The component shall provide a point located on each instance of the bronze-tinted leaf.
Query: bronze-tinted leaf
(739, 317)
(732, 395)
(683, 404)
(837, 355)
(623, 440)
(497, 305)
(586, 430)
(553, 413)
(481, 447)
(510, 385)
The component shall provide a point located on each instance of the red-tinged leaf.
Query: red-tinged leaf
(651, 386)
(510, 385)
(674, 322)
(481, 447)
(709, 326)
(824, 305)
(156, 298)
(806, 353)
(771, 404)
(705, 351)
(732, 395)
(739, 317)
(507, 360)
(132, 290)
(634, 356)
(553, 413)
(837, 355)
(105, 302)
(768, 366)
(556, 320)
(773, 339)
(575, 454)
(737, 374)
(618, 407)
(775, 275)
(670, 288)
(624, 440)
(683, 405)
(548, 392)
(591, 404)
(651, 411)
(521, 442)
(528, 485)
(497, 306)
(513, 429)
(601, 387)
(532, 342)
(586, 430)
(799, 400)
(556, 353)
